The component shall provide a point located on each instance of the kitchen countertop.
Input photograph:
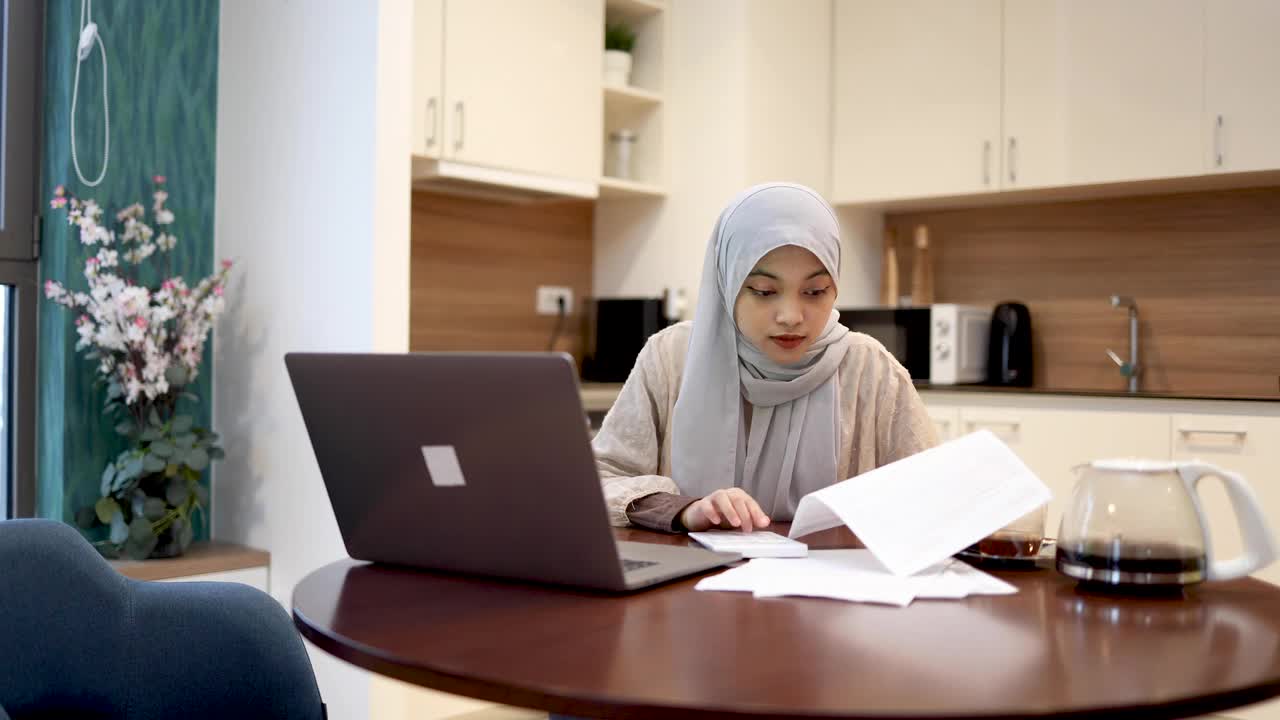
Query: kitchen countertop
(1085, 392)
(599, 397)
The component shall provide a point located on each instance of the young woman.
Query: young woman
(729, 420)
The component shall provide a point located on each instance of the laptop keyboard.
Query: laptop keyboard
(629, 565)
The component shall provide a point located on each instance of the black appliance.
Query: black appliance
(1009, 349)
(615, 331)
(903, 331)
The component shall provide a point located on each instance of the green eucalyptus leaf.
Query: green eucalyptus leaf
(171, 469)
(114, 390)
(216, 453)
(176, 492)
(197, 459)
(108, 479)
(136, 503)
(140, 529)
(150, 435)
(124, 428)
(141, 549)
(86, 518)
(160, 448)
(185, 441)
(133, 468)
(106, 508)
(92, 355)
(189, 396)
(154, 418)
(202, 494)
(176, 375)
(182, 424)
(153, 464)
(119, 531)
(153, 509)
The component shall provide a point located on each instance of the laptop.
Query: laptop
(474, 463)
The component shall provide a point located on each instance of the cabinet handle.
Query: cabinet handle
(435, 121)
(1012, 425)
(986, 163)
(1217, 142)
(1013, 160)
(457, 109)
(1241, 434)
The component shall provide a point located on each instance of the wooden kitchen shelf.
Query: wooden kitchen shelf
(616, 188)
(201, 558)
(630, 99)
(632, 10)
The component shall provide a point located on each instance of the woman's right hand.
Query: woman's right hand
(726, 509)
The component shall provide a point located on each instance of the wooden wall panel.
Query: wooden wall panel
(476, 266)
(1203, 267)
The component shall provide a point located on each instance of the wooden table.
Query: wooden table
(1051, 650)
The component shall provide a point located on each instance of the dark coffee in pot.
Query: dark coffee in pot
(1112, 564)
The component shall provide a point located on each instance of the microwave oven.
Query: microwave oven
(942, 344)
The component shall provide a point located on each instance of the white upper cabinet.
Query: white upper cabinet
(1033, 153)
(522, 85)
(917, 98)
(428, 77)
(1242, 95)
(1099, 91)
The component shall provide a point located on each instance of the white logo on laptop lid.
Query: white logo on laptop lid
(442, 466)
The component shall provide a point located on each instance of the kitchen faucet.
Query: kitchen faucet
(1128, 369)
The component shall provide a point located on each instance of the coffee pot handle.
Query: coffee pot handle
(1259, 543)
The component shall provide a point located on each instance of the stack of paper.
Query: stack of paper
(855, 576)
(912, 515)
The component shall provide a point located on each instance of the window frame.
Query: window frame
(21, 389)
(21, 102)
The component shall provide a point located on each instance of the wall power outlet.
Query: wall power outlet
(547, 300)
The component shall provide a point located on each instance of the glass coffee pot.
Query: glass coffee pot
(1140, 522)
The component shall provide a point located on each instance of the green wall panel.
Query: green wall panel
(162, 62)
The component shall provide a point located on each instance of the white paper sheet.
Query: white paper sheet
(853, 576)
(921, 510)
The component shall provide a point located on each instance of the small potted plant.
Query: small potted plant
(618, 41)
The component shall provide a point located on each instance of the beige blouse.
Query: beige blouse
(881, 416)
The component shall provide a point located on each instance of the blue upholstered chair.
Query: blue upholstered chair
(77, 639)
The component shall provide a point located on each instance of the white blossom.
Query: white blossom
(138, 333)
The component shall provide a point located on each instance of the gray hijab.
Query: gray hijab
(795, 422)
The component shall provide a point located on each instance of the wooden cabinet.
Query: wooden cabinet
(1054, 441)
(510, 87)
(917, 98)
(522, 85)
(428, 77)
(965, 98)
(946, 422)
(1242, 444)
(1099, 91)
(1053, 434)
(1242, 98)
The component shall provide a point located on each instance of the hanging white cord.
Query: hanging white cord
(89, 34)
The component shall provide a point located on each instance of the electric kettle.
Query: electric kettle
(1140, 522)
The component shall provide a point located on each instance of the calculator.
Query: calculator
(755, 544)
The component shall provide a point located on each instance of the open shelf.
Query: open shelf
(630, 99)
(611, 187)
(632, 10)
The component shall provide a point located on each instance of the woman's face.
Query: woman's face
(784, 303)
